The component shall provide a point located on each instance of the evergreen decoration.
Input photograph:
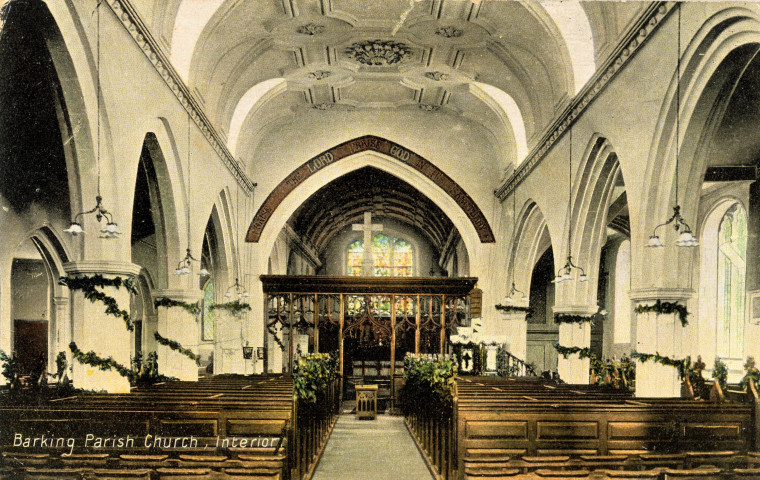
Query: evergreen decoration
(313, 374)
(752, 374)
(513, 308)
(145, 372)
(682, 365)
(666, 308)
(92, 359)
(235, 307)
(175, 346)
(191, 308)
(89, 285)
(429, 386)
(503, 368)
(567, 351)
(276, 338)
(568, 318)
(10, 369)
(720, 373)
(60, 365)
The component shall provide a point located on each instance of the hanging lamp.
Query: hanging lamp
(565, 273)
(510, 298)
(686, 237)
(111, 229)
(237, 289)
(185, 265)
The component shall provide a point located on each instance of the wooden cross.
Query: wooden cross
(367, 227)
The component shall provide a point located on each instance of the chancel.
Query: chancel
(517, 238)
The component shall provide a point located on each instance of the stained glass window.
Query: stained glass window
(208, 313)
(732, 264)
(392, 257)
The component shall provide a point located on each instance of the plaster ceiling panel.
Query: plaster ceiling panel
(376, 13)
(236, 75)
(377, 93)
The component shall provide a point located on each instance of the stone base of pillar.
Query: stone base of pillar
(573, 369)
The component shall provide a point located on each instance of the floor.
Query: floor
(380, 449)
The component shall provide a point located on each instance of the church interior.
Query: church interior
(556, 201)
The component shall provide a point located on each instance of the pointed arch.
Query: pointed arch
(598, 173)
(393, 151)
(531, 241)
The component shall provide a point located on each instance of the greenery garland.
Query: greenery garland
(276, 338)
(665, 308)
(681, 365)
(513, 308)
(567, 351)
(104, 364)
(235, 308)
(429, 386)
(176, 346)
(569, 318)
(191, 308)
(87, 285)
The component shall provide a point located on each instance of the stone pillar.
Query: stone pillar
(659, 333)
(94, 330)
(514, 329)
(572, 369)
(62, 336)
(176, 323)
(230, 334)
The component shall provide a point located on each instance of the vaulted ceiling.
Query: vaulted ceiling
(501, 69)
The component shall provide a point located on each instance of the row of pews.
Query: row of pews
(224, 427)
(530, 428)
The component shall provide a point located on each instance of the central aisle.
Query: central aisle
(379, 449)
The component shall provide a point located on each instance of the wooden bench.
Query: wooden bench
(234, 427)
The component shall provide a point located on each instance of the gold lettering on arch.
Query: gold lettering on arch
(381, 145)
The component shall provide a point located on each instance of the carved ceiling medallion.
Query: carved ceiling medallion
(437, 76)
(311, 29)
(449, 32)
(319, 75)
(378, 52)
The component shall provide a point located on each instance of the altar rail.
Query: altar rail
(521, 426)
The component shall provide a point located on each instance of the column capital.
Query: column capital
(60, 301)
(102, 267)
(674, 294)
(179, 294)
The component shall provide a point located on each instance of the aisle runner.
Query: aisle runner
(371, 449)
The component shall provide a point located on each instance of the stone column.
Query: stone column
(62, 331)
(514, 329)
(659, 333)
(94, 330)
(573, 369)
(178, 324)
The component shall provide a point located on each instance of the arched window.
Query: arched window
(732, 264)
(392, 257)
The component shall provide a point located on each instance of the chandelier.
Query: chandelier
(686, 238)
(111, 229)
(565, 273)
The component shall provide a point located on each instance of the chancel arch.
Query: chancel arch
(288, 204)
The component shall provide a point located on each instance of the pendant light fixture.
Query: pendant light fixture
(184, 266)
(565, 273)
(686, 238)
(237, 290)
(510, 298)
(111, 229)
